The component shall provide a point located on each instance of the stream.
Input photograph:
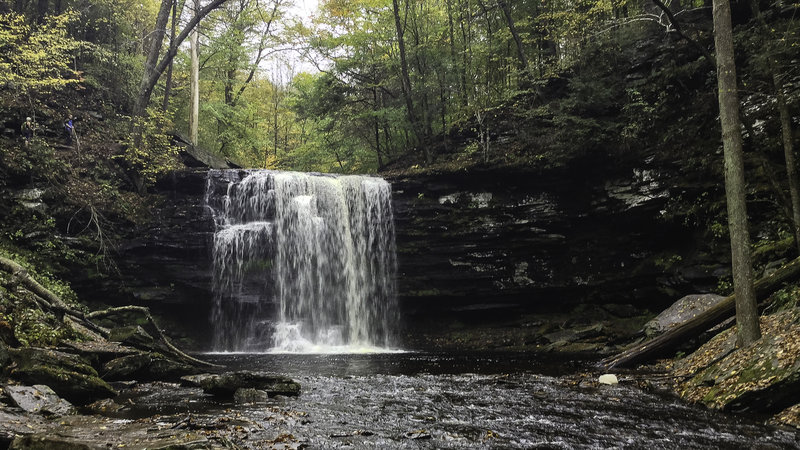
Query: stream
(449, 401)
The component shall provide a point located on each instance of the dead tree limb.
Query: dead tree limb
(52, 302)
(22, 275)
(146, 312)
(695, 326)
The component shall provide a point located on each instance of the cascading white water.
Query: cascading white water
(302, 262)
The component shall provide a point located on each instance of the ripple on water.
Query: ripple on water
(412, 401)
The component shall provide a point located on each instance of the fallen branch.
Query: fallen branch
(22, 275)
(146, 312)
(695, 326)
(52, 302)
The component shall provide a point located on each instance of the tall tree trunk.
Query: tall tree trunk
(153, 67)
(377, 129)
(746, 308)
(194, 114)
(406, 79)
(153, 45)
(168, 82)
(786, 129)
(514, 33)
(788, 153)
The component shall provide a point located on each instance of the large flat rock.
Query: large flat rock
(38, 399)
(226, 384)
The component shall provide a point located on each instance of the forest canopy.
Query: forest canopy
(360, 85)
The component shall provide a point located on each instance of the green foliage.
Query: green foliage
(148, 150)
(35, 328)
(35, 59)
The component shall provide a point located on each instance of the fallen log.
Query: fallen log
(146, 312)
(695, 326)
(52, 302)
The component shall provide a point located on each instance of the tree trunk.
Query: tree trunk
(746, 308)
(153, 68)
(406, 79)
(153, 46)
(194, 114)
(788, 153)
(786, 129)
(514, 33)
(168, 82)
(664, 343)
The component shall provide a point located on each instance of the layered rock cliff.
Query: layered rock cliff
(483, 246)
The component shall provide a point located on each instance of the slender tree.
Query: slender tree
(194, 80)
(746, 307)
(153, 67)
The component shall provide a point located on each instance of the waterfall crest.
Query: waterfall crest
(302, 262)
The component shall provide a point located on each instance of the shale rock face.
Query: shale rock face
(477, 243)
(471, 246)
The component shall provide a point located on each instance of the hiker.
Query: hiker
(69, 129)
(27, 130)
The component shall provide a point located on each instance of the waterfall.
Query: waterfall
(301, 262)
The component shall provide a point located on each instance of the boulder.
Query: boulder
(226, 384)
(145, 367)
(68, 375)
(250, 395)
(680, 311)
(38, 399)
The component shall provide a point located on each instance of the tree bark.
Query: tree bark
(406, 79)
(786, 129)
(746, 308)
(662, 344)
(168, 83)
(788, 153)
(514, 33)
(153, 67)
(194, 106)
(677, 26)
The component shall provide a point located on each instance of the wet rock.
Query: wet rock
(68, 375)
(14, 422)
(564, 337)
(680, 311)
(145, 367)
(418, 434)
(105, 406)
(249, 395)
(103, 440)
(226, 384)
(38, 399)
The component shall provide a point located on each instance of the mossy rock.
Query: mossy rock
(68, 375)
(76, 387)
(146, 367)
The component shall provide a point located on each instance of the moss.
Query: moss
(767, 250)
